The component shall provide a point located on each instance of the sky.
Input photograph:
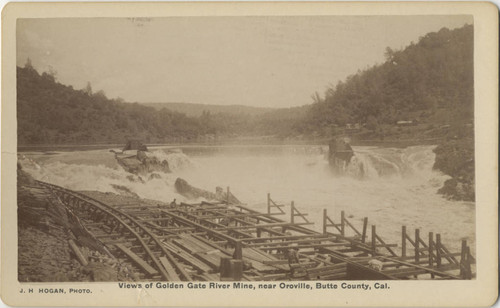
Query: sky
(254, 61)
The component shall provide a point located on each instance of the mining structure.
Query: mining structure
(222, 241)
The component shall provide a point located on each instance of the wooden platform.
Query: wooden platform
(190, 242)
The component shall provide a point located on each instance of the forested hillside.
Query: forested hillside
(51, 113)
(427, 82)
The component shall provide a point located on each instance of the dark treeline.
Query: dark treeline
(51, 113)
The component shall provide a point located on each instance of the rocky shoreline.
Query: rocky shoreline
(455, 157)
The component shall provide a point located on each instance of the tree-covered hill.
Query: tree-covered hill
(430, 82)
(51, 113)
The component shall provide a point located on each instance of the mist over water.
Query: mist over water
(390, 186)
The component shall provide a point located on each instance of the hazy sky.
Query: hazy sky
(257, 61)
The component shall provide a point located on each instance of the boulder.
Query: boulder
(142, 163)
(154, 176)
(191, 192)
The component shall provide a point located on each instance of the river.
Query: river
(390, 186)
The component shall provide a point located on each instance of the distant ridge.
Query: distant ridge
(196, 110)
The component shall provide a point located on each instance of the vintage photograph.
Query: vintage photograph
(246, 148)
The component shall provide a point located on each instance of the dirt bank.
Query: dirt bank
(45, 229)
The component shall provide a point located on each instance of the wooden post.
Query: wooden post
(292, 212)
(431, 246)
(438, 250)
(227, 195)
(417, 245)
(468, 271)
(268, 203)
(374, 241)
(342, 223)
(238, 251)
(365, 225)
(403, 241)
(324, 221)
(462, 259)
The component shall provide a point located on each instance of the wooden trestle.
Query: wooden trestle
(199, 241)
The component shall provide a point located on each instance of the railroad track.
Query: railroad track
(125, 235)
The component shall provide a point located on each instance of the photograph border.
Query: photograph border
(482, 291)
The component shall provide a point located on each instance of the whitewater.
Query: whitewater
(390, 186)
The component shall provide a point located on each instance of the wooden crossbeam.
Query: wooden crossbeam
(271, 204)
(352, 227)
(268, 225)
(285, 237)
(328, 222)
(290, 242)
(304, 246)
(387, 246)
(296, 213)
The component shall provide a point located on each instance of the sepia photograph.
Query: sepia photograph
(245, 152)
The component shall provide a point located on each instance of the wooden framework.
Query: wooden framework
(194, 241)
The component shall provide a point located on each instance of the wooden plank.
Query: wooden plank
(257, 257)
(304, 246)
(79, 255)
(170, 269)
(267, 225)
(285, 237)
(183, 255)
(309, 240)
(140, 262)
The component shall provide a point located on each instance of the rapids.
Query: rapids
(390, 186)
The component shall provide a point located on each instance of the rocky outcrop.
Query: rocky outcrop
(142, 163)
(456, 159)
(123, 190)
(339, 154)
(191, 192)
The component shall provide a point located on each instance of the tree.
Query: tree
(53, 73)
(388, 54)
(88, 89)
(28, 64)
